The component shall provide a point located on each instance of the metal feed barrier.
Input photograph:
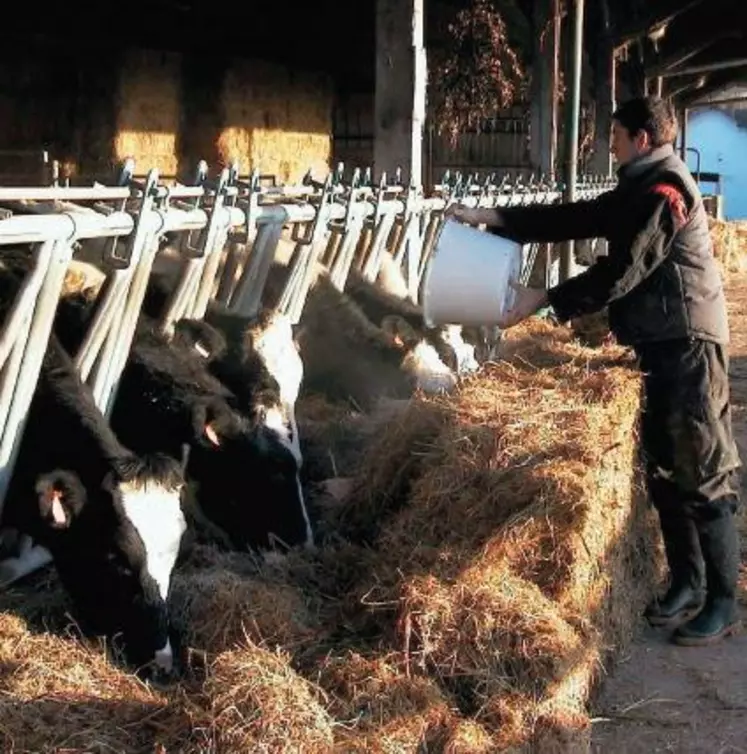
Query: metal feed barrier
(341, 224)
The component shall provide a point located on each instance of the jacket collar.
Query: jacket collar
(641, 164)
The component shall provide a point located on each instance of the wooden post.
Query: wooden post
(544, 108)
(401, 75)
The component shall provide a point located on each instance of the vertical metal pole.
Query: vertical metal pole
(33, 356)
(556, 26)
(683, 134)
(572, 127)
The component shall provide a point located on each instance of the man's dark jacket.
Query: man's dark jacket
(660, 278)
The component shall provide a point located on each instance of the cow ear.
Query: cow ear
(211, 433)
(61, 497)
(200, 337)
(399, 331)
(212, 423)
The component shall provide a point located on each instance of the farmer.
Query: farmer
(666, 300)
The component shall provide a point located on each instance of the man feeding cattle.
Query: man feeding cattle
(666, 301)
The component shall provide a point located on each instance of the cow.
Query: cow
(347, 357)
(258, 361)
(242, 476)
(377, 303)
(108, 518)
(463, 348)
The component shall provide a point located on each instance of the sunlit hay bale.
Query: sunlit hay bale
(222, 600)
(148, 110)
(729, 244)
(490, 631)
(562, 733)
(275, 119)
(468, 737)
(257, 702)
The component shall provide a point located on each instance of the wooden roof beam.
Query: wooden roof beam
(674, 60)
(650, 24)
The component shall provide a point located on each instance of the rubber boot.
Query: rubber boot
(719, 543)
(686, 595)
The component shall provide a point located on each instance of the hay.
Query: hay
(257, 703)
(491, 559)
(729, 244)
(278, 122)
(509, 572)
(255, 599)
(148, 110)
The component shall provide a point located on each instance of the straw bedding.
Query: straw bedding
(491, 556)
(729, 244)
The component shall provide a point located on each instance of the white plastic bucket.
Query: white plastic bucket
(469, 276)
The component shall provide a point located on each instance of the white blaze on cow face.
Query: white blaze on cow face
(275, 420)
(156, 514)
(464, 353)
(430, 373)
(275, 347)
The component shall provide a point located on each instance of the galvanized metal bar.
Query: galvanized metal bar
(117, 346)
(28, 374)
(572, 126)
(21, 229)
(247, 296)
(12, 365)
(111, 304)
(216, 236)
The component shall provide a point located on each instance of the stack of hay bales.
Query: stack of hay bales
(493, 553)
(275, 120)
(729, 244)
(148, 110)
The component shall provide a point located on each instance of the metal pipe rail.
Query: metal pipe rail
(344, 225)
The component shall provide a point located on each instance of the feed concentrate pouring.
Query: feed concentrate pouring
(469, 277)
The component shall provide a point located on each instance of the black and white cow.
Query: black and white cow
(241, 474)
(258, 361)
(377, 303)
(347, 357)
(109, 519)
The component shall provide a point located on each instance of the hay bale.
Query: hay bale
(274, 120)
(496, 556)
(60, 693)
(148, 110)
(399, 446)
(389, 711)
(256, 600)
(729, 244)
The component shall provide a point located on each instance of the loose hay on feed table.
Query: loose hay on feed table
(519, 559)
(502, 556)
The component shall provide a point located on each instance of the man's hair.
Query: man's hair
(653, 115)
